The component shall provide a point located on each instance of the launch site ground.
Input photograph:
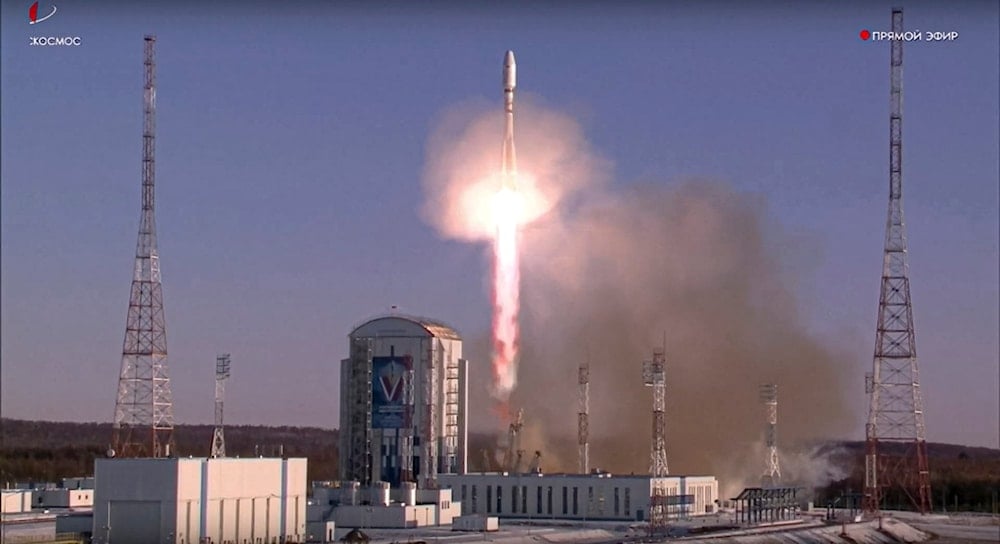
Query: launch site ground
(896, 527)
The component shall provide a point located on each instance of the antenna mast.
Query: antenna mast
(769, 396)
(895, 412)
(583, 417)
(144, 418)
(222, 364)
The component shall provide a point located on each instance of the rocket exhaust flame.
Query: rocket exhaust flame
(506, 271)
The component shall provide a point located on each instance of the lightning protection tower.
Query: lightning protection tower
(896, 449)
(222, 363)
(144, 419)
(583, 418)
(654, 375)
(769, 396)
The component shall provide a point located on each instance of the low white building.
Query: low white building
(381, 507)
(599, 496)
(183, 501)
(15, 501)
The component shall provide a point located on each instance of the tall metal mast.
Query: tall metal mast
(583, 418)
(769, 396)
(144, 420)
(222, 365)
(896, 447)
(654, 375)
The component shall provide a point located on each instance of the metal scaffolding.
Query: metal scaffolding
(429, 436)
(359, 435)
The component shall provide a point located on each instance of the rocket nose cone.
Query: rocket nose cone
(509, 71)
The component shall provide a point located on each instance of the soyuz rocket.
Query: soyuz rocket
(508, 159)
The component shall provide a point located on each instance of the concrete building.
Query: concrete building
(379, 506)
(63, 498)
(599, 496)
(15, 501)
(183, 501)
(404, 395)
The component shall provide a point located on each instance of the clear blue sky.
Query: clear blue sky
(290, 147)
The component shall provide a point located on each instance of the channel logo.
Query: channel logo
(33, 14)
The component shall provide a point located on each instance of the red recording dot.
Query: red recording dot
(865, 34)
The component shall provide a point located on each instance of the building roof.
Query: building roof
(433, 327)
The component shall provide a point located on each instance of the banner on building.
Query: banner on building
(390, 383)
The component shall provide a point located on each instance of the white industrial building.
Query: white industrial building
(15, 501)
(380, 506)
(597, 496)
(187, 500)
(403, 398)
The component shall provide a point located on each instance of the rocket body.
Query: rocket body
(509, 159)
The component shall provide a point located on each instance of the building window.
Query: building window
(489, 499)
(475, 507)
(513, 499)
(576, 504)
(549, 493)
(463, 492)
(628, 503)
(499, 499)
(538, 500)
(565, 502)
(524, 499)
(590, 501)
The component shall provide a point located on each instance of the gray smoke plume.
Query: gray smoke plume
(609, 275)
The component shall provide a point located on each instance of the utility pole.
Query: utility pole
(144, 414)
(895, 411)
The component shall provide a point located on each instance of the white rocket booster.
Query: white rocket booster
(508, 157)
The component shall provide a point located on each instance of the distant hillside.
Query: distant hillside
(48, 451)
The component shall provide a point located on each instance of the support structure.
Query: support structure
(654, 375)
(514, 454)
(144, 415)
(583, 418)
(429, 471)
(772, 472)
(222, 364)
(358, 439)
(896, 465)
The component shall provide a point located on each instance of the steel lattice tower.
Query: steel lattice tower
(583, 418)
(896, 449)
(654, 375)
(222, 365)
(144, 419)
(769, 396)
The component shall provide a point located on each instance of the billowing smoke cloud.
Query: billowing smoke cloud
(610, 274)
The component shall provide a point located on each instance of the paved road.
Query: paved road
(955, 534)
